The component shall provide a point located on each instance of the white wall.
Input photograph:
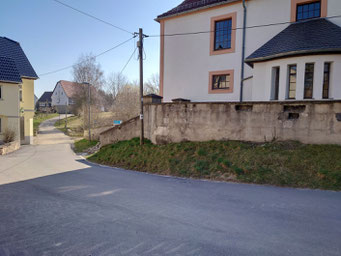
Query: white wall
(187, 60)
(262, 80)
(59, 97)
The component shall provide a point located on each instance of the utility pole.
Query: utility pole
(66, 112)
(140, 46)
(89, 105)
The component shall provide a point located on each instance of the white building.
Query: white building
(63, 95)
(292, 50)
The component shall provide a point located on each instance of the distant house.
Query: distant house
(16, 91)
(45, 102)
(63, 95)
(292, 50)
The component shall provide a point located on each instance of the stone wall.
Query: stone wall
(95, 133)
(305, 121)
(9, 147)
(126, 131)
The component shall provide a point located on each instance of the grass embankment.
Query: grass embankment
(280, 163)
(74, 125)
(84, 144)
(39, 118)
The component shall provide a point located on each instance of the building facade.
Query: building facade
(63, 95)
(44, 104)
(292, 50)
(16, 91)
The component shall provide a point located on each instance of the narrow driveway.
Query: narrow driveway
(55, 203)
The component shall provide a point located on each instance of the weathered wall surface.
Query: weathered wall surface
(95, 133)
(308, 122)
(126, 131)
(9, 147)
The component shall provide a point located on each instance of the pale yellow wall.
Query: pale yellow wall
(27, 105)
(9, 108)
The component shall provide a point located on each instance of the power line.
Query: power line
(93, 17)
(100, 54)
(249, 27)
(132, 55)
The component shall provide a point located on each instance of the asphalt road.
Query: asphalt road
(54, 203)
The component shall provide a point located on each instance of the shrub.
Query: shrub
(9, 136)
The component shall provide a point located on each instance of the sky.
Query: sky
(54, 36)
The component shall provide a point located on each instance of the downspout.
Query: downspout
(243, 54)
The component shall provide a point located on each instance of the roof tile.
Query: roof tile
(46, 97)
(9, 71)
(318, 35)
(71, 88)
(191, 5)
(12, 49)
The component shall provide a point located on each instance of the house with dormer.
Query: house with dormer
(254, 50)
(17, 78)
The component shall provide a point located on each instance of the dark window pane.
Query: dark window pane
(309, 81)
(292, 82)
(308, 11)
(223, 34)
(221, 82)
(326, 80)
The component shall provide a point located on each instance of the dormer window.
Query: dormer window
(308, 11)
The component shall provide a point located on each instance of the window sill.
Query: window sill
(220, 52)
(221, 91)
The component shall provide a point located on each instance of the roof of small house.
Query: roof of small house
(8, 71)
(46, 97)
(12, 49)
(302, 38)
(70, 88)
(193, 5)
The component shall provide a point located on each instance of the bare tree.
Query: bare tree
(115, 83)
(152, 85)
(88, 70)
(126, 105)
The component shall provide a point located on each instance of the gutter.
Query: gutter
(243, 54)
(10, 82)
(251, 61)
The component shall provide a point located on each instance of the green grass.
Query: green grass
(74, 124)
(289, 164)
(82, 145)
(39, 118)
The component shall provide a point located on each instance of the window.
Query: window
(292, 81)
(275, 83)
(221, 82)
(0, 92)
(223, 34)
(326, 80)
(20, 95)
(309, 81)
(308, 11)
